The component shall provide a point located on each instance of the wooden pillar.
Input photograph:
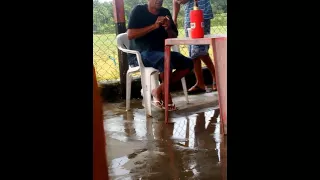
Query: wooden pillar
(120, 22)
(100, 168)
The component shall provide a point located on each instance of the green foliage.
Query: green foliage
(103, 17)
(219, 6)
(219, 20)
(103, 14)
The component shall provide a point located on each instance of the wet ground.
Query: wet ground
(147, 148)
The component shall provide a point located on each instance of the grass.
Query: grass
(105, 53)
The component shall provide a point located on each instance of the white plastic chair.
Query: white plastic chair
(149, 75)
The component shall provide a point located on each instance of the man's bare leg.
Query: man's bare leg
(208, 62)
(158, 93)
(199, 76)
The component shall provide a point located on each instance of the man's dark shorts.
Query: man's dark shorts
(155, 59)
(199, 50)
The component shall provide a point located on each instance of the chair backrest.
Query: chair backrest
(123, 45)
(123, 41)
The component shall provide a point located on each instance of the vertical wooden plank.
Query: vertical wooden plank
(120, 24)
(100, 168)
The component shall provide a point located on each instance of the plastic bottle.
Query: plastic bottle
(196, 22)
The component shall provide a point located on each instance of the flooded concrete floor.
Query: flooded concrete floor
(147, 148)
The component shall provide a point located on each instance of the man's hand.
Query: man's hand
(160, 21)
(136, 33)
(167, 23)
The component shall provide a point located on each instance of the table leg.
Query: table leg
(220, 59)
(167, 72)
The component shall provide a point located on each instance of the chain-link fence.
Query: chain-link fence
(105, 52)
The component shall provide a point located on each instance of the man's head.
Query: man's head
(156, 4)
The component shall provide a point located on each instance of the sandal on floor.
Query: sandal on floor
(197, 90)
(157, 104)
(172, 107)
(215, 89)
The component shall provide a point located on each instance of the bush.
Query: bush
(219, 20)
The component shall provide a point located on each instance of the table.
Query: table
(219, 48)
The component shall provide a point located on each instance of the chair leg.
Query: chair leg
(155, 80)
(184, 87)
(143, 103)
(128, 91)
(146, 98)
(154, 84)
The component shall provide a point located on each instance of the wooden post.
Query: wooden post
(120, 21)
(100, 167)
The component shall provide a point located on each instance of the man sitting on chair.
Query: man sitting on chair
(149, 25)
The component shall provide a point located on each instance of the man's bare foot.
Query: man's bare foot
(170, 98)
(171, 106)
(157, 98)
(214, 87)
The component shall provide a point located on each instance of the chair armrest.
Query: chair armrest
(137, 53)
(128, 50)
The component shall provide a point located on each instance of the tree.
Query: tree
(219, 6)
(103, 13)
(103, 17)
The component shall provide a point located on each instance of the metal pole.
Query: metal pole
(120, 22)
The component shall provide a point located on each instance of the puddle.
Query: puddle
(146, 148)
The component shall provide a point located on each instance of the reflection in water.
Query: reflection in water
(197, 124)
(189, 148)
(116, 166)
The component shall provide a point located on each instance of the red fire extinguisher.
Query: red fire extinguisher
(196, 22)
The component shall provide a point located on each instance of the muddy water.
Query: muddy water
(147, 148)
